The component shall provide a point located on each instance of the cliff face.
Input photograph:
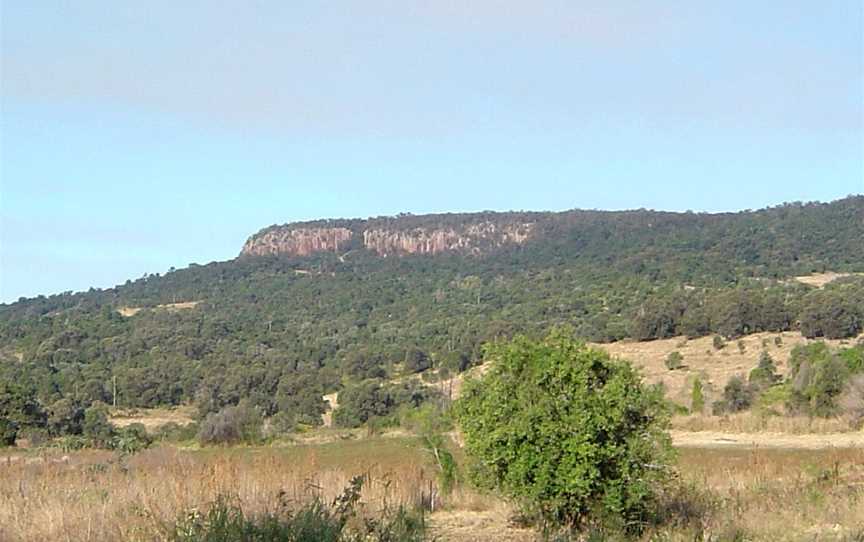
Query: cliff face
(297, 242)
(472, 238)
(385, 241)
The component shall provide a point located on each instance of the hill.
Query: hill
(312, 308)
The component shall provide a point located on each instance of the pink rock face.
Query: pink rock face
(297, 242)
(473, 238)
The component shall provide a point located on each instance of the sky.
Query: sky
(139, 136)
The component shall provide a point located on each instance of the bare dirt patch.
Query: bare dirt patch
(128, 312)
(331, 399)
(152, 418)
(785, 441)
(821, 279)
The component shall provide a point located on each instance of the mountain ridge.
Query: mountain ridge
(282, 329)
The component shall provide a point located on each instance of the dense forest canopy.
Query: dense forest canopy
(281, 331)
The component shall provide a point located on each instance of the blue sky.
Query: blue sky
(137, 136)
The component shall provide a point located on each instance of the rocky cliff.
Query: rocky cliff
(296, 242)
(471, 238)
(385, 237)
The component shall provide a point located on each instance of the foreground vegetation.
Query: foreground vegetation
(94, 495)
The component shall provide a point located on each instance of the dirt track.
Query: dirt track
(714, 439)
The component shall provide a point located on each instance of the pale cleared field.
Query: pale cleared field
(152, 418)
(702, 360)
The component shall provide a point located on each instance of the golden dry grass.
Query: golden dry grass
(758, 421)
(766, 494)
(701, 360)
(781, 494)
(152, 418)
(821, 279)
(128, 312)
(713, 367)
(92, 495)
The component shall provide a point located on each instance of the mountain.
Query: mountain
(309, 308)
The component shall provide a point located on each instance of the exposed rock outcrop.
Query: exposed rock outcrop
(473, 238)
(385, 240)
(297, 241)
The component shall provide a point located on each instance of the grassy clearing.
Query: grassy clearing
(152, 418)
(700, 359)
(759, 494)
(780, 494)
(93, 495)
(759, 422)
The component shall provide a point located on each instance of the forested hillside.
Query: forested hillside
(282, 330)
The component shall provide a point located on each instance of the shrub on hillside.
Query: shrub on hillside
(417, 361)
(19, 409)
(131, 439)
(373, 400)
(817, 376)
(831, 314)
(231, 425)
(674, 361)
(697, 397)
(737, 396)
(765, 374)
(568, 431)
(96, 428)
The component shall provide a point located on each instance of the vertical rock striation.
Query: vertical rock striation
(297, 242)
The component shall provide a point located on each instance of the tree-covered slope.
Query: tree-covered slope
(281, 329)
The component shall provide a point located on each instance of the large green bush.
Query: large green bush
(567, 431)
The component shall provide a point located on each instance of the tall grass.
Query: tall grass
(168, 494)
(94, 495)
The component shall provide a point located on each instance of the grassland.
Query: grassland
(754, 493)
(712, 366)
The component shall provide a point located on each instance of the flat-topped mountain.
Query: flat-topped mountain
(406, 234)
(783, 228)
(310, 308)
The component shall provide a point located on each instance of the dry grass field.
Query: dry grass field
(714, 367)
(96, 496)
(759, 494)
(152, 418)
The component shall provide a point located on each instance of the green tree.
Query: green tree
(765, 374)
(96, 426)
(697, 397)
(737, 396)
(566, 430)
(19, 410)
(674, 361)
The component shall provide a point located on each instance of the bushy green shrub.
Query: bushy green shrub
(697, 397)
(19, 409)
(231, 425)
(66, 417)
(374, 400)
(765, 374)
(96, 428)
(568, 431)
(817, 376)
(737, 396)
(131, 439)
(674, 361)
